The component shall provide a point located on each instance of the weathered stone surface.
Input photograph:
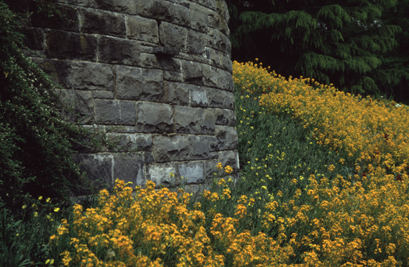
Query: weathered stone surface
(128, 167)
(102, 23)
(219, 41)
(199, 18)
(139, 84)
(114, 51)
(124, 142)
(173, 36)
(192, 72)
(194, 120)
(124, 6)
(215, 77)
(227, 137)
(80, 105)
(154, 117)
(171, 148)
(34, 39)
(210, 97)
(163, 174)
(191, 172)
(61, 44)
(155, 76)
(196, 42)
(80, 75)
(115, 112)
(143, 29)
(97, 166)
(176, 93)
(225, 117)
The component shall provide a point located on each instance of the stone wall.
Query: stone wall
(153, 75)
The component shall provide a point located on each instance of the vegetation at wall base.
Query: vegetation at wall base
(38, 173)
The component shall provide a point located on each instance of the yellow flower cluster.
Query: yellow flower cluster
(362, 219)
(149, 227)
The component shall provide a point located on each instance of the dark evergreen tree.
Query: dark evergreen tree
(343, 42)
(393, 75)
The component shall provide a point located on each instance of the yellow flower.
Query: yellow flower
(228, 169)
(219, 165)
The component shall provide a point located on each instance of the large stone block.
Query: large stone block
(200, 147)
(142, 29)
(118, 51)
(80, 105)
(129, 167)
(96, 166)
(125, 142)
(101, 22)
(225, 117)
(192, 72)
(176, 93)
(194, 120)
(115, 112)
(171, 148)
(215, 77)
(61, 44)
(164, 11)
(139, 84)
(219, 41)
(210, 97)
(191, 172)
(173, 36)
(227, 137)
(163, 174)
(199, 17)
(80, 75)
(196, 42)
(154, 117)
(123, 6)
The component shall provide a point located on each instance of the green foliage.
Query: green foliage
(36, 144)
(347, 43)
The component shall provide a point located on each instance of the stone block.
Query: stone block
(61, 44)
(219, 41)
(225, 117)
(118, 51)
(176, 93)
(199, 18)
(219, 59)
(191, 172)
(80, 105)
(173, 36)
(199, 97)
(103, 94)
(192, 72)
(164, 11)
(194, 120)
(123, 6)
(163, 174)
(115, 112)
(128, 167)
(64, 18)
(124, 142)
(199, 147)
(211, 97)
(101, 22)
(139, 84)
(143, 29)
(154, 117)
(206, 3)
(147, 60)
(196, 42)
(227, 137)
(171, 148)
(96, 166)
(215, 77)
(80, 75)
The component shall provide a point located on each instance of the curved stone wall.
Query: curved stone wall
(154, 75)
